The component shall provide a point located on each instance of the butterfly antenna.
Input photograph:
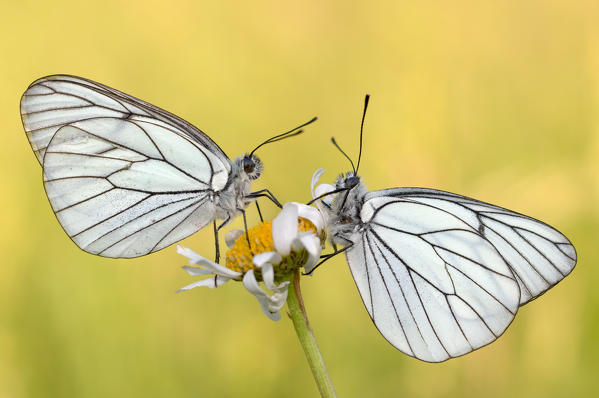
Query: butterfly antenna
(326, 194)
(291, 133)
(344, 154)
(366, 99)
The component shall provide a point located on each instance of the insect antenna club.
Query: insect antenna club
(440, 274)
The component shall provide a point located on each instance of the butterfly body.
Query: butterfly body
(343, 211)
(236, 195)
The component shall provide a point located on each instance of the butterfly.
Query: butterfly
(126, 178)
(440, 274)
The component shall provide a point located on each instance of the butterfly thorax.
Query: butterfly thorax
(344, 212)
(234, 197)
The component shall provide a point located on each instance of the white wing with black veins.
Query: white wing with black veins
(124, 177)
(442, 274)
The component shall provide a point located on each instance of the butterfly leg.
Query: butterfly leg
(326, 257)
(216, 244)
(335, 250)
(259, 212)
(245, 225)
(267, 194)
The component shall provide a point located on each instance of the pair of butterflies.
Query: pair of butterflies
(440, 274)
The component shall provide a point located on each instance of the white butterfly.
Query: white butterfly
(126, 178)
(440, 274)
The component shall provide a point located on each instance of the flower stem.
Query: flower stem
(304, 332)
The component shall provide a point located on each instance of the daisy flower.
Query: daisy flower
(269, 267)
(279, 247)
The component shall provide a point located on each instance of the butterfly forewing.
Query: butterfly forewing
(55, 101)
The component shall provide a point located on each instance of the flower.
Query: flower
(293, 239)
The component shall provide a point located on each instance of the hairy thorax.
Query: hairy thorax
(344, 212)
(234, 197)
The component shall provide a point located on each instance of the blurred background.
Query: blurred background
(495, 100)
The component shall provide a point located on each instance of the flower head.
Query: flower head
(292, 240)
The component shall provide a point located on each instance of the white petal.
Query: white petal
(196, 271)
(211, 283)
(311, 244)
(251, 284)
(284, 228)
(268, 276)
(322, 189)
(211, 266)
(327, 200)
(267, 257)
(232, 236)
(190, 254)
(218, 269)
(278, 299)
(273, 316)
(312, 214)
(315, 179)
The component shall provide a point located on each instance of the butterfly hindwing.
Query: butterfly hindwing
(442, 275)
(434, 288)
(117, 195)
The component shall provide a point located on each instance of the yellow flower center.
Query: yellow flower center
(239, 258)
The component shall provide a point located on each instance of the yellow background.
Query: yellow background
(496, 100)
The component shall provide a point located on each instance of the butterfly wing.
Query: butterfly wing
(435, 274)
(124, 178)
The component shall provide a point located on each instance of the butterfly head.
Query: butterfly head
(347, 181)
(251, 165)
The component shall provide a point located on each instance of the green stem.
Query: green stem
(306, 337)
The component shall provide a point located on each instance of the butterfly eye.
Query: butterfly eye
(352, 181)
(252, 166)
(248, 165)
